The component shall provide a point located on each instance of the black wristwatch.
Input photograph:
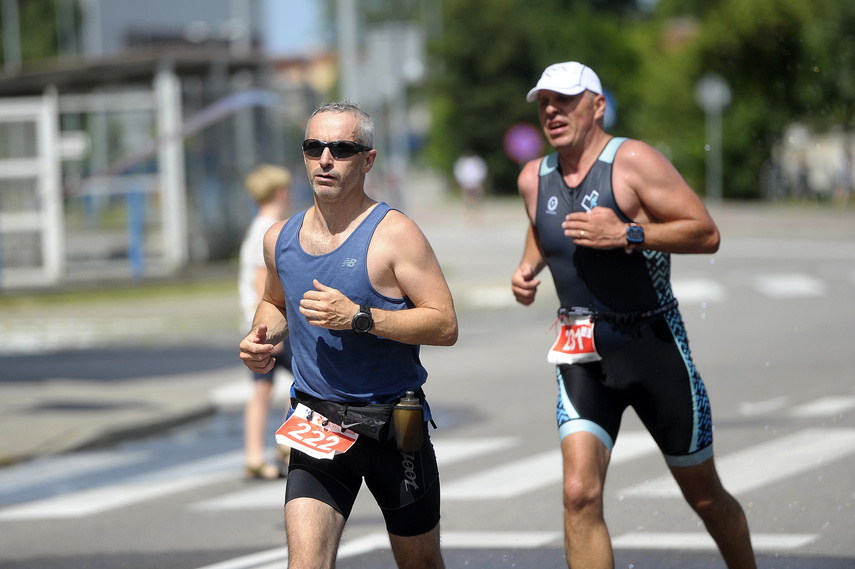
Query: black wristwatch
(634, 234)
(362, 321)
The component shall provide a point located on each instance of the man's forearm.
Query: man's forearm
(275, 320)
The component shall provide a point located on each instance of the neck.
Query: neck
(337, 217)
(579, 158)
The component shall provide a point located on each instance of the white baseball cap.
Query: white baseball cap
(568, 78)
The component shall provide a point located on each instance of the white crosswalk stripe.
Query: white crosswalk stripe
(692, 291)
(689, 290)
(274, 558)
(743, 471)
(766, 463)
(703, 541)
(824, 407)
(533, 473)
(789, 285)
(137, 489)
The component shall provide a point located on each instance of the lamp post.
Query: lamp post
(713, 95)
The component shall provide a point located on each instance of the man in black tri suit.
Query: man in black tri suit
(606, 213)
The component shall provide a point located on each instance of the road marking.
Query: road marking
(824, 407)
(262, 497)
(631, 445)
(499, 539)
(697, 290)
(450, 451)
(48, 471)
(789, 285)
(267, 496)
(508, 480)
(504, 481)
(253, 560)
(765, 463)
(703, 541)
(273, 558)
(97, 500)
(535, 472)
(138, 489)
(751, 409)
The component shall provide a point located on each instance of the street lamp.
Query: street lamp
(713, 95)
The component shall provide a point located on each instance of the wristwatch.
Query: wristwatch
(362, 321)
(634, 234)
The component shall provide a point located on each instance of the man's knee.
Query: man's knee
(582, 494)
(419, 551)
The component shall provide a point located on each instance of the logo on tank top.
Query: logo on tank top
(589, 202)
(349, 263)
(551, 205)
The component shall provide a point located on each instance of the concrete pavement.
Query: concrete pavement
(80, 372)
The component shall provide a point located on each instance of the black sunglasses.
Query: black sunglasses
(339, 148)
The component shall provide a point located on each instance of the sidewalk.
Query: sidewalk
(55, 414)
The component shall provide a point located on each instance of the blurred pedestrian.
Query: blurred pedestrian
(845, 185)
(470, 173)
(270, 187)
(358, 288)
(605, 215)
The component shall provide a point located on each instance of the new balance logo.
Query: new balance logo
(349, 263)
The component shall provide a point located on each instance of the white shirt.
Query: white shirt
(251, 258)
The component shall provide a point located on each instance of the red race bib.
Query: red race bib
(312, 433)
(575, 342)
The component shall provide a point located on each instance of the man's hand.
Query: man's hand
(255, 353)
(599, 228)
(524, 285)
(327, 308)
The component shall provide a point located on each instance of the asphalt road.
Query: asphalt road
(770, 319)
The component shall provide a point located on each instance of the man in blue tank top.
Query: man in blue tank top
(606, 213)
(357, 288)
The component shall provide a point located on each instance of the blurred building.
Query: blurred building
(125, 156)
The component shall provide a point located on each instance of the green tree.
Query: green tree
(37, 30)
(785, 61)
(492, 57)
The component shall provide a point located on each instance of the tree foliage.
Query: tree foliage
(785, 61)
(492, 57)
(37, 30)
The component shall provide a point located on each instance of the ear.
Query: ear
(599, 107)
(368, 160)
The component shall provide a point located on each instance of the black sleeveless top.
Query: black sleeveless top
(609, 282)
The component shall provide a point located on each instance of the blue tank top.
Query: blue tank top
(339, 365)
(606, 281)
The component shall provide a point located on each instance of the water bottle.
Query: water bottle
(408, 420)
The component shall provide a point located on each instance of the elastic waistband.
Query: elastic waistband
(615, 317)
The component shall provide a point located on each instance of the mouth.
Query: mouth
(555, 126)
(324, 177)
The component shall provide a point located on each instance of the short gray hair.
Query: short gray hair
(364, 125)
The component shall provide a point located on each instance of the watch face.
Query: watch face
(362, 323)
(634, 234)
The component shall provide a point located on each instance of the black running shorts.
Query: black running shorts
(404, 484)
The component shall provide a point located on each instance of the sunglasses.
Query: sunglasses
(339, 148)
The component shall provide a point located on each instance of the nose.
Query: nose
(326, 157)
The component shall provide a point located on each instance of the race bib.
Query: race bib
(575, 342)
(312, 433)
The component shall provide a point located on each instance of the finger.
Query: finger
(261, 333)
(269, 366)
